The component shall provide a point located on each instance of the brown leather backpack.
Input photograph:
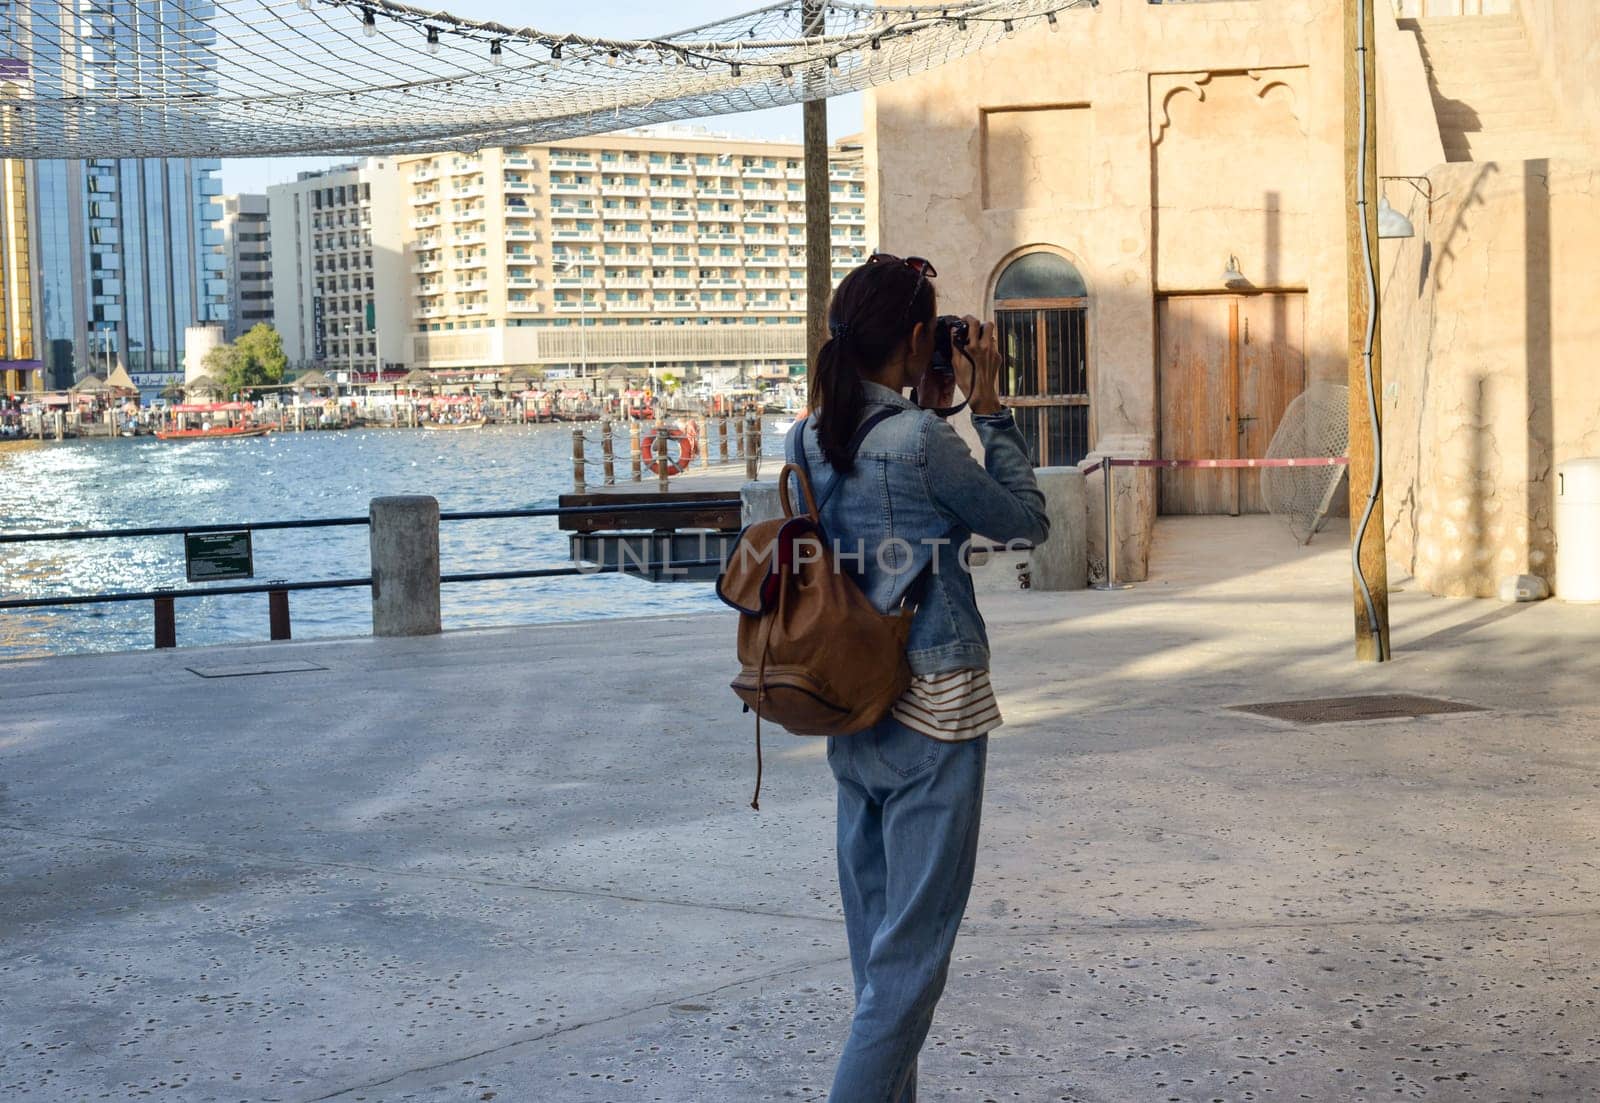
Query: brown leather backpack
(816, 657)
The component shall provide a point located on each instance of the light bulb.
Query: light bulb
(369, 23)
(1055, 24)
(1011, 30)
(496, 54)
(734, 69)
(433, 40)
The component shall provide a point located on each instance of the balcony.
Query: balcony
(680, 169)
(768, 262)
(721, 283)
(581, 164)
(573, 189)
(428, 312)
(513, 234)
(476, 237)
(473, 308)
(424, 197)
(768, 284)
(666, 282)
(673, 262)
(475, 284)
(423, 176)
(634, 284)
(466, 168)
(425, 244)
(524, 306)
(427, 266)
(522, 281)
(767, 217)
(797, 218)
(474, 214)
(575, 235)
(578, 308)
(425, 221)
(721, 237)
(473, 262)
(678, 306)
(628, 306)
(520, 187)
(627, 236)
(764, 195)
(854, 218)
(768, 306)
(471, 191)
(429, 290)
(624, 190)
(522, 162)
(674, 216)
(572, 212)
(763, 173)
(673, 189)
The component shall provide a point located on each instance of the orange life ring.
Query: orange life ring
(647, 452)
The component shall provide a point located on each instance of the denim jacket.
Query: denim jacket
(916, 498)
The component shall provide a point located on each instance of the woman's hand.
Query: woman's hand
(978, 366)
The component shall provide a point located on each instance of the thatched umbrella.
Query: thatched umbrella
(89, 384)
(120, 381)
(172, 392)
(312, 380)
(201, 384)
(416, 379)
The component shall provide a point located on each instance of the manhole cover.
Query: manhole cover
(287, 667)
(1349, 710)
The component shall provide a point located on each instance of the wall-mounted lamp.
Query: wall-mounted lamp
(1391, 223)
(1232, 277)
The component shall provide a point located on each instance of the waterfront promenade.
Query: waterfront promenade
(519, 864)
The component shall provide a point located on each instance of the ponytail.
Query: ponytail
(836, 398)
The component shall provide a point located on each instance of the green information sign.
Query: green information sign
(213, 555)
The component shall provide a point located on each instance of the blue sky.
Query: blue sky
(610, 18)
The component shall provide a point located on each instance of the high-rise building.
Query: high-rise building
(668, 248)
(247, 245)
(126, 250)
(20, 368)
(338, 275)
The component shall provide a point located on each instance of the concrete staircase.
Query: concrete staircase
(1492, 102)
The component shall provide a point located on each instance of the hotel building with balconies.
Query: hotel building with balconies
(339, 278)
(668, 248)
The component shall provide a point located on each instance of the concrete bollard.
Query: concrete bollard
(759, 502)
(1062, 561)
(404, 537)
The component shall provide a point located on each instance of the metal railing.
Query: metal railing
(278, 590)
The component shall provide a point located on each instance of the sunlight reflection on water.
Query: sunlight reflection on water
(118, 483)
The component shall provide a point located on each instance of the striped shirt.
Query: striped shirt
(954, 706)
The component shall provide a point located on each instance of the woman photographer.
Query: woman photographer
(910, 496)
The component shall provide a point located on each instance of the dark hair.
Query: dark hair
(873, 310)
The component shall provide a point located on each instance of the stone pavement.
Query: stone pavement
(519, 864)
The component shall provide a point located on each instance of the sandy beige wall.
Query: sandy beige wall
(1566, 36)
(1491, 338)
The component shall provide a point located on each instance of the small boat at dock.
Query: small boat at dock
(443, 425)
(214, 432)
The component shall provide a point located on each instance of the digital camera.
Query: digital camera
(949, 334)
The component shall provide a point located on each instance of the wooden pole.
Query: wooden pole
(722, 439)
(578, 485)
(607, 452)
(703, 438)
(662, 457)
(633, 449)
(1369, 554)
(819, 224)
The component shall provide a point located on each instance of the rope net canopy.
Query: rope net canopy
(246, 78)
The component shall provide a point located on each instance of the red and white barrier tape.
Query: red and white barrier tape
(1321, 461)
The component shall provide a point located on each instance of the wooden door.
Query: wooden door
(1229, 365)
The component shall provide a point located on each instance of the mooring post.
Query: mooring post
(722, 438)
(662, 457)
(752, 459)
(403, 532)
(703, 437)
(608, 460)
(633, 449)
(578, 485)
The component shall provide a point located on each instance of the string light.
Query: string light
(877, 43)
(496, 53)
(833, 61)
(734, 69)
(787, 72)
(1011, 31)
(369, 23)
(305, 5)
(1055, 26)
(433, 40)
(555, 53)
(961, 24)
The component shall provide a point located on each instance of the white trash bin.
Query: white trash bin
(1578, 530)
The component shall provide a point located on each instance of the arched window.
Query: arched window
(1042, 307)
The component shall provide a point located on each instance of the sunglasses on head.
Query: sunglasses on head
(922, 266)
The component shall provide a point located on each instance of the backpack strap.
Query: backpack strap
(856, 441)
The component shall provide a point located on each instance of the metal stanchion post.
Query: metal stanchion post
(1107, 470)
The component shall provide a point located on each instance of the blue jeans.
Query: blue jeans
(908, 838)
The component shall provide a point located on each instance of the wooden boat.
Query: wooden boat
(209, 434)
(441, 425)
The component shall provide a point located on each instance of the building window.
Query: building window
(1042, 308)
